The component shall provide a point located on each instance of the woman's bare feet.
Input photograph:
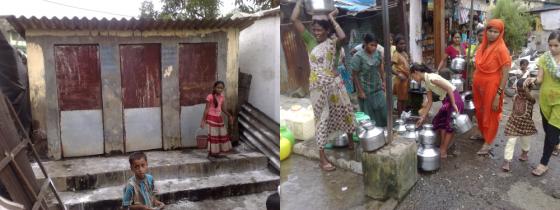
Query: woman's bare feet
(442, 153)
(506, 166)
(524, 156)
(326, 166)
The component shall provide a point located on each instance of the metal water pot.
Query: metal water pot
(427, 135)
(458, 64)
(411, 134)
(414, 85)
(341, 141)
(469, 104)
(399, 127)
(428, 157)
(457, 81)
(371, 137)
(461, 122)
(319, 7)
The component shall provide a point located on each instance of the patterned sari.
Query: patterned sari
(331, 104)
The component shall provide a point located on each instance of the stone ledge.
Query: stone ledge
(340, 157)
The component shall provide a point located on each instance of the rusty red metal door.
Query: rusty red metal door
(78, 78)
(141, 95)
(197, 74)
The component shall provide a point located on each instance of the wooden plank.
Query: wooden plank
(78, 77)
(140, 75)
(12, 180)
(42, 193)
(197, 71)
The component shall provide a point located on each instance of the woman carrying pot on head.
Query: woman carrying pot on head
(452, 102)
(493, 63)
(401, 69)
(367, 72)
(549, 99)
(331, 104)
(452, 51)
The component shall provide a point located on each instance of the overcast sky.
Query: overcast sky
(83, 8)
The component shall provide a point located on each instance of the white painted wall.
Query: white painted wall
(259, 55)
(415, 30)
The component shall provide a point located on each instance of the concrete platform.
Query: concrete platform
(96, 172)
(171, 190)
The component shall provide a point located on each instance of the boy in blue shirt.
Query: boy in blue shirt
(140, 191)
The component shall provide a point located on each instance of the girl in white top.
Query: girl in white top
(452, 102)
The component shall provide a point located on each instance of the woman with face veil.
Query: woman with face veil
(492, 62)
(331, 104)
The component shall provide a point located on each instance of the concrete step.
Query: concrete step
(244, 202)
(98, 172)
(173, 190)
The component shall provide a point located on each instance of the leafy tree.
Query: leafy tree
(147, 10)
(251, 6)
(517, 22)
(200, 9)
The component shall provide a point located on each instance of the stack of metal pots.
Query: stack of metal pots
(428, 152)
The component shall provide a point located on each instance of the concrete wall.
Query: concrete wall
(415, 30)
(259, 55)
(43, 85)
(539, 40)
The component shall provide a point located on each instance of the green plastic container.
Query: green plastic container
(286, 133)
(355, 138)
(361, 116)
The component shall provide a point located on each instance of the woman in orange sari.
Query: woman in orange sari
(400, 68)
(493, 62)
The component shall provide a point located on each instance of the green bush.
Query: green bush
(517, 21)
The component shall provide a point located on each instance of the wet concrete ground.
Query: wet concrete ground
(469, 181)
(303, 185)
(246, 202)
(466, 181)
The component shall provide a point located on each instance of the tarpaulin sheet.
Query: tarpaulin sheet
(354, 5)
(13, 81)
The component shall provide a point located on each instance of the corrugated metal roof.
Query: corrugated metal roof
(545, 8)
(22, 24)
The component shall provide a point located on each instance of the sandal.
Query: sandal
(484, 150)
(476, 137)
(540, 170)
(327, 167)
(556, 151)
(506, 166)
